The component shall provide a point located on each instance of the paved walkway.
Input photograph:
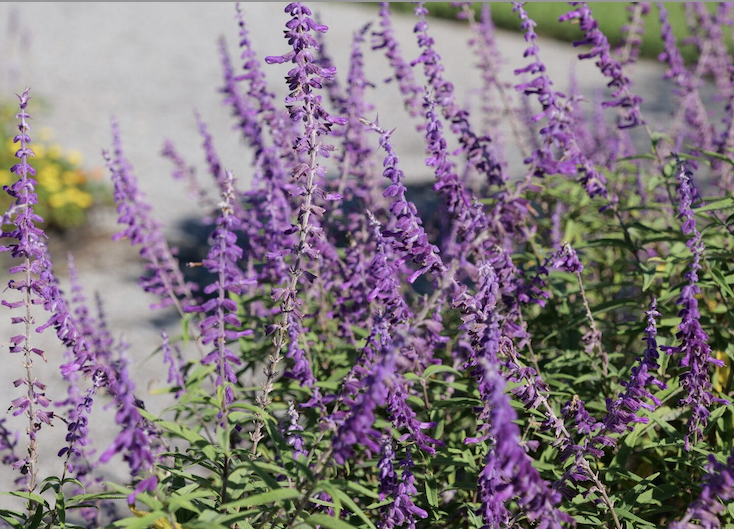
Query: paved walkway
(151, 64)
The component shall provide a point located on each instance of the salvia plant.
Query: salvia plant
(549, 348)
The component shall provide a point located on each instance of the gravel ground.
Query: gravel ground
(151, 64)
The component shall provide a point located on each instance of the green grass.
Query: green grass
(610, 15)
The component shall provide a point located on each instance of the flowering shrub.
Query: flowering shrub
(552, 353)
(65, 191)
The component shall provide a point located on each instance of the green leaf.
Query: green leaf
(721, 281)
(439, 368)
(624, 513)
(26, 495)
(724, 203)
(144, 522)
(263, 499)
(349, 502)
(327, 521)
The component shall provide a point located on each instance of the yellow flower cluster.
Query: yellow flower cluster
(64, 190)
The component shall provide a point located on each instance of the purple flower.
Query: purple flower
(557, 133)
(242, 108)
(36, 287)
(172, 358)
(622, 412)
(403, 73)
(304, 105)
(408, 233)
(133, 441)
(690, 108)
(508, 472)
(478, 149)
(632, 33)
(622, 96)
(694, 347)
(718, 486)
(403, 418)
(165, 280)
(358, 427)
(185, 173)
(292, 433)
(402, 510)
(221, 311)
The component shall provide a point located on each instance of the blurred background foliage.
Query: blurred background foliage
(610, 15)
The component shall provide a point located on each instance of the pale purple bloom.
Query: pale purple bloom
(557, 134)
(632, 33)
(36, 287)
(220, 312)
(622, 94)
(172, 359)
(478, 150)
(403, 73)
(718, 486)
(292, 433)
(402, 511)
(697, 357)
(133, 441)
(165, 280)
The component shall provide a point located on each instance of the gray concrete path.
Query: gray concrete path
(151, 65)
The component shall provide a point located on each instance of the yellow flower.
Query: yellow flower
(40, 150)
(722, 373)
(55, 151)
(45, 134)
(161, 523)
(74, 157)
(11, 146)
(57, 200)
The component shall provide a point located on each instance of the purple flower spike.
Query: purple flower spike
(172, 358)
(478, 150)
(695, 381)
(409, 235)
(403, 73)
(718, 487)
(304, 106)
(622, 94)
(221, 311)
(690, 108)
(133, 441)
(557, 134)
(33, 285)
(165, 280)
(402, 511)
(292, 433)
(508, 471)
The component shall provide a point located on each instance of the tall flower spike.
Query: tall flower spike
(718, 486)
(403, 73)
(691, 108)
(478, 150)
(557, 133)
(409, 234)
(133, 441)
(165, 280)
(304, 105)
(632, 32)
(172, 358)
(221, 311)
(694, 347)
(622, 412)
(622, 96)
(30, 249)
(508, 472)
